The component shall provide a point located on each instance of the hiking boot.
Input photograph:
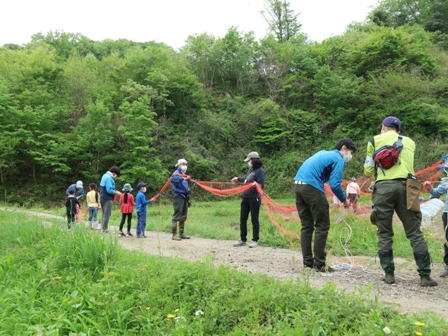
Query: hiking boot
(253, 244)
(305, 265)
(176, 237)
(129, 234)
(444, 273)
(239, 243)
(389, 278)
(427, 281)
(183, 236)
(324, 269)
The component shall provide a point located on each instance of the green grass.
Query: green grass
(59, 282)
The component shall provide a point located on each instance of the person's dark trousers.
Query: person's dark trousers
(180, 206)
(252, 206)
(141, 223)
(70, 218)
(444, 220)
(313, 209)
(123, 219)
(389, 196)
(107, 212)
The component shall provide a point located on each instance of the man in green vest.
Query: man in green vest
(389, 195)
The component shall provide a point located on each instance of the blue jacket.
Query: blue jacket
(141, 201)
(180, 186)
(439, 191)
(107, 188)
(322, 167)
(79, 192)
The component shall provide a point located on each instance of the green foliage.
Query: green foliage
(282, 20)
(70, 108)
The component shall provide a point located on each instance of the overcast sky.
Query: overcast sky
(167, 21)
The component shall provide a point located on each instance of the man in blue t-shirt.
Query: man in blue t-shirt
(107, 194)
(312, 204)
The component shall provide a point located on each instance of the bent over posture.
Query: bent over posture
(312, 204)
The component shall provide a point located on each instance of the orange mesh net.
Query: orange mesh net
(275, 210)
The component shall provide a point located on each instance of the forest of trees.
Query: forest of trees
(71, 107)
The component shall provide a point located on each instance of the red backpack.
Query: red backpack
(387, 156)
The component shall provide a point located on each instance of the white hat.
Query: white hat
(180, 161)
(252, 155)
(79, 184)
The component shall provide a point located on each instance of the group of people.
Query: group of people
(389, 195)
(104, 198)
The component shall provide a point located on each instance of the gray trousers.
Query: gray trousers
(313, 209)
(389, 196)
(107, 212)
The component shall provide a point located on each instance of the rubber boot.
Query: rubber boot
(89, 224)
(423, 261)
(174, 230)
(388, 265)
(181, 230)
(95, 224)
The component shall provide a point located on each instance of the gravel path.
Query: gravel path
(406, 295)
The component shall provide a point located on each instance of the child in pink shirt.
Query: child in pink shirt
(127, 208)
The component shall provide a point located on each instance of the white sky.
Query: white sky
(168, 21)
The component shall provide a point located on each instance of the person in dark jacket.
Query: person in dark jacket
(71, 204)
(251, 200)
(181, 202)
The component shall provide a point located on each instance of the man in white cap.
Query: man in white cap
(79, 192)
(181, 202)
(78, 188)
(389, 196)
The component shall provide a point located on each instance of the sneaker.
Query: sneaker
(129, 234)
(324, 269)
(253, 244)
(121, 234)
(239, 243)
(143, 236)
(105, 231)
(444, 273)
(308, 265)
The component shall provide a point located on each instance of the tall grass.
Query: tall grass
(59, 282)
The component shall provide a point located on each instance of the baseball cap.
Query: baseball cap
(392, 122)
(252, 155)
(141, 185)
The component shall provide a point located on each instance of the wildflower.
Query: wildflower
(419, 324)
(418, 333)
(386, 330)
(199, 312)
(179, 318)
(176, 311)
(170, 316)
(58, 278)
(148, 308)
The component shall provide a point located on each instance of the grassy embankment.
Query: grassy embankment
(57, 282)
